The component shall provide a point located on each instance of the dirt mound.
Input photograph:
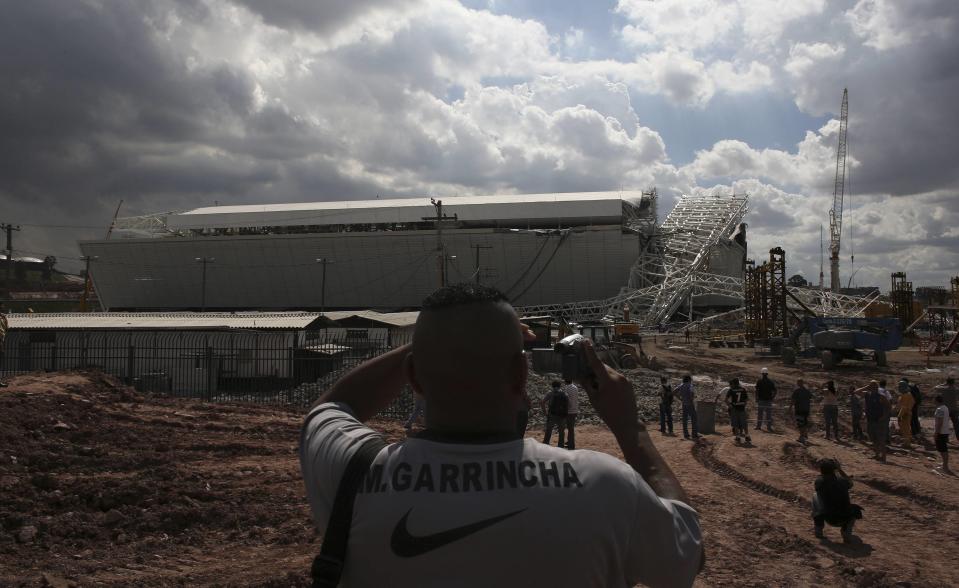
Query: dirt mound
(92, 472)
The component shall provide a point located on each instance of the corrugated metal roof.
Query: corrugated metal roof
(196, 320)
(394, 319)
(162, 320)
(596, 205)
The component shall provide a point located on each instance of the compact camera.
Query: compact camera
(574, 364)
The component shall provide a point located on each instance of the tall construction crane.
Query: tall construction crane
(835, 213)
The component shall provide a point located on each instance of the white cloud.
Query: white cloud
(805, 57)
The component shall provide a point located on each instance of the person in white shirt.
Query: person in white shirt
(469, 503)
(572, 412)
(942, 430)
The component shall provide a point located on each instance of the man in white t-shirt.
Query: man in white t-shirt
(942, 429)
(467, 502)
(572, 412)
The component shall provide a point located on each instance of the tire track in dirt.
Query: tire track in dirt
(795, 453)
(705, 454)
(776, 537)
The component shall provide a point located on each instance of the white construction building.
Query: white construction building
(384, 254)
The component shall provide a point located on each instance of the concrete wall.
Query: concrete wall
(384, 270)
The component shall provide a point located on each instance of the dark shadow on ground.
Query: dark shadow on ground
(857, 549)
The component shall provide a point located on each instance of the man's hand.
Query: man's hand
(611, 395)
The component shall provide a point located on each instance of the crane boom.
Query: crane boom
(835, 213)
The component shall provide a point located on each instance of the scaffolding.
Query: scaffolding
(901, 296)
(954, 290)
(765, 297)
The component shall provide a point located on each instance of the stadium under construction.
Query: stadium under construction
(580, 255)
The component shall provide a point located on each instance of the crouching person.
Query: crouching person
(831, 502)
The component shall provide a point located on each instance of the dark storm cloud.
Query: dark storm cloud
(323, 16)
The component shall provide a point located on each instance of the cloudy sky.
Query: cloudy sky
(170, 104)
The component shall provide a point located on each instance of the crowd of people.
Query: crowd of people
(874, 401)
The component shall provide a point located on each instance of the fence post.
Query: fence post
(131, 363)
(209, 373)
(53, 358)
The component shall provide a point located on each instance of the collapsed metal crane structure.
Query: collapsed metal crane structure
(672, 266)
(835, 213)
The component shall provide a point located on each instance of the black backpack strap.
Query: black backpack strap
(328, 565)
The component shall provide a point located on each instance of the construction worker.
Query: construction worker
(3, 338)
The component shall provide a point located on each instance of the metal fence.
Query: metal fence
(289, 368)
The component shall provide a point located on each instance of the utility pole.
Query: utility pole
(477, 268)
(9, 228)
(440, 219)
(323, 261)
(88, 282)
(205, 261)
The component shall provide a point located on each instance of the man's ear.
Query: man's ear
(409, 368)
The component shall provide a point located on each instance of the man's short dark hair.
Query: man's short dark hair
(556, 384)
(882, 382)
(828, 467)
(687, 378)
(940, 399)
(951, 381)
(462, 294)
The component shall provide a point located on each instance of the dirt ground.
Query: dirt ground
(100, 486)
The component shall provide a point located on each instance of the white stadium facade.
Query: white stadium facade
(386, 254)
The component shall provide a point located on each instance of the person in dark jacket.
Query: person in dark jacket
(765, 394)
(917, 396)
(831, 503)
(666, 399)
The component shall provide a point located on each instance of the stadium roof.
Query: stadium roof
(601, 206)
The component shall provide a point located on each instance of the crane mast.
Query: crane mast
(835, 213)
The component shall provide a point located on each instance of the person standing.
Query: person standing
(556, 405)
(572, 412)
(917, 396)
(831, 503)
(801, 403)
(830, 409)
(877, 418)
(522, 416)
(906, 405)
(855, 410)
(419, 407)
(943, 427)
(465, 502)
(4, 325)
(736, 399)
(666, 399)
(950, 396)
(765, 394)
(688, 398)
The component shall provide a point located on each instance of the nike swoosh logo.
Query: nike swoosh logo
(406, 545)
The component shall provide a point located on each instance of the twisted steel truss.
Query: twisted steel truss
(672, 265)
